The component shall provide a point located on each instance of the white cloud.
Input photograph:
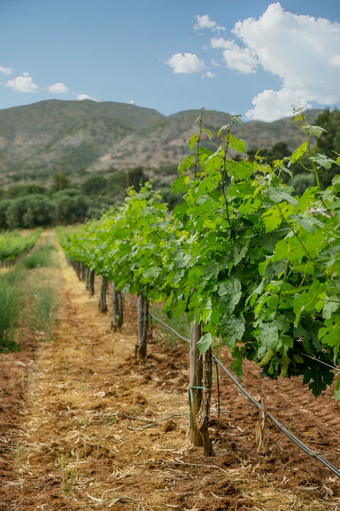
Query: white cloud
(209, 74)
(270, 105)
(82, 97)
(6, 70)
(22, 83)
(335, 60)
(204, 21)
(130, 102)
(58, 88)
(235, 57)
(303, 51)
(186, 63)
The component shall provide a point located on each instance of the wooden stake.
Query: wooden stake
(143, 324)
(90, 281)
(83, 272)
(195, 383)
(117, 309)
(202, 418)
(102, 305)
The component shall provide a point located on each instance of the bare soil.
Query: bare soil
(84, 427)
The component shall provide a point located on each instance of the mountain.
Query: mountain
(78, 137)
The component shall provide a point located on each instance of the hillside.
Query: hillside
(76, 137)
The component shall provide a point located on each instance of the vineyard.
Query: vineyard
(244, 275)
(254, 267)
(13, 246)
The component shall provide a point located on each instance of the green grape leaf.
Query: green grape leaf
(280, 194)
(331, 305)
(307, 223)
(318, 376)
(208, 132)
(235, 143)
(310, 299)
(230, 292)
(330, 333)
(316, 130)
(300, 151)
(323, 161)
(205, 342)
(241, 169)
(232, 329)
(236, 366)
(268, 336)
(152, 272)
(192, 141)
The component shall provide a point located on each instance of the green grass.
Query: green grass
(39, 258)
(180, 324)
(14, 277)
(10, 305)
(26, 298)
(43, 304)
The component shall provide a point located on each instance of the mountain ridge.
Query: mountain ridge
(76, 137)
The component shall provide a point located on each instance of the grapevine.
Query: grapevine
(242, 254)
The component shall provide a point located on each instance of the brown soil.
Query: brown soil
(83, 426)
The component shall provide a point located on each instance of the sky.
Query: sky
(256, 58)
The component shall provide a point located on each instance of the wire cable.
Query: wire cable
(293, 438)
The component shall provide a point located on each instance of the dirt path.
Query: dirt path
(84, 428)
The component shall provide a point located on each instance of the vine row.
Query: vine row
(255, 266)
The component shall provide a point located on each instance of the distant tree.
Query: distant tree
(329, 142)
(94, 185)
(136, 178)
(302, 181)
(279, 151)
(35, 189)
(15, 191)
(21, 190)
(169, 197)
(117, 184)
(31, 211)
(15, 212)
(40, 212)
(60, 182)
(72, 206)
(99, 205)
(4, 205)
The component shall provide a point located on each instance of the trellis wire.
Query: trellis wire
(293, 438)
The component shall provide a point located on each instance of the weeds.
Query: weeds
(40, 257)
(180, 324)
(68, 477)
(17, 455)
(43, 304)
(25, 299)
(10, 302)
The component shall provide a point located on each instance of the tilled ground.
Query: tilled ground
(83, 426)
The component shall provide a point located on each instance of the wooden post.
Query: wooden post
(87, 278)
(83, 272)
(143, 324)
(117, 309)
(102, 305)
(90, 281)
(78, 269)
(202, 418)
(195, 382)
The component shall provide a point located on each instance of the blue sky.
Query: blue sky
(251, 57)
